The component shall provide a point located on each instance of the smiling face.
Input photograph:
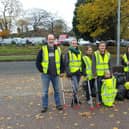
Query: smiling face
(102, 47)
(51, 38)
(89, 51)
(74, 43)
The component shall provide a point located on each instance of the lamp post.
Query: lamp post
(118, 32)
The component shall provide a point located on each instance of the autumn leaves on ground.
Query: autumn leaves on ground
(20, 106)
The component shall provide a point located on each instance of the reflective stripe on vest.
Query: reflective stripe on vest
(88, 63)
(108, 91)
(126, 68)
(102, 63)
(45, 60)
(74, 62)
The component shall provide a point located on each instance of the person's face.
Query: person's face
(108, 74)
(74, 43)
(102, 48)
(51, 39)
(89, 51)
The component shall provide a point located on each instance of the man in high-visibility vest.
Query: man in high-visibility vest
(125, 63)
(50, 63)
(73, 67)
(101, 63)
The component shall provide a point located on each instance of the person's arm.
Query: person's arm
(123, 62)
(62, 65)
(110, 65)
(83, 67)
(38, 61)
(94, 65)
(66, 61)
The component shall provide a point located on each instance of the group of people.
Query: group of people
(93, 66)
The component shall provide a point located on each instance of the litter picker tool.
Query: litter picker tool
(75, 96)
(91, 98)
(62, 88)
(97, 94)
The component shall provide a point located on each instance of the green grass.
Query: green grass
(29, 52)
(18, 50)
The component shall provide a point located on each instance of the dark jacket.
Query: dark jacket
(51, 65)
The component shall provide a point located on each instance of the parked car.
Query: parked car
(62, 38)
(68, 41)
(83, 42)
(111, 43)
(124, 43)
(6, 41)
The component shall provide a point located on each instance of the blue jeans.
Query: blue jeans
(75, 83)
(55, 83)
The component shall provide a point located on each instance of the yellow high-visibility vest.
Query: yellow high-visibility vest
(88, 63)
(126, 68)
(75, 62)
(102, 63)
(45, 60)
(108, 91)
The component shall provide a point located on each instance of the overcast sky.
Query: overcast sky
(63, 8)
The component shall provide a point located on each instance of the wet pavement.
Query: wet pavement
(20, 104)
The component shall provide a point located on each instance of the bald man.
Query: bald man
(49, 62)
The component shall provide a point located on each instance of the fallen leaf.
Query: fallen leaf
(111, 115)
(8, 118)
(115, 128)
(118, 122)
(57, 127)
(1, 118)
(116, 110)
(85, 114)
(65, 114)
(125, 113)
(38, 116)
(76, 124)
(92, 124)
(31, 103)
(9, 127)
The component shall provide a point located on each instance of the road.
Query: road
(18, 67)
(20, 104)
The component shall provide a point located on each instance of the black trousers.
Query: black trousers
(86, 89)
(127, 76)
(99, 84)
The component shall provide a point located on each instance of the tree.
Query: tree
(4, 33)
(76, 22)
(59, 27)
(99, 18)
(9, 10)
(22, 25)
(38, 18)
(41, 19)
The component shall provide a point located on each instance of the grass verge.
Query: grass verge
(18, 58)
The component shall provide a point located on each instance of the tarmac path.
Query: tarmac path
(20, 104)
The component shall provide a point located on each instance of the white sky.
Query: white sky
(63, 8)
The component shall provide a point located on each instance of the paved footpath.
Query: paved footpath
(20, 106)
